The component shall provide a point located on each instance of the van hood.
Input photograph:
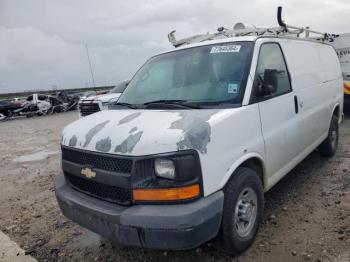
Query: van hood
(142, 132)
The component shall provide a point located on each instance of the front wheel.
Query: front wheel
(330, 144)
(243, 209)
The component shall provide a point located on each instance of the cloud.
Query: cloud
(42, 42)
(31, 59)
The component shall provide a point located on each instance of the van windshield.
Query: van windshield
(119, 88)
(206, 76)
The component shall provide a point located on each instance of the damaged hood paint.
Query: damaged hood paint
(142, 132)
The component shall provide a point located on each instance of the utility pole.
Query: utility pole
(92, 74)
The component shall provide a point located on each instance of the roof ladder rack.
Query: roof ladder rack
(241, 30)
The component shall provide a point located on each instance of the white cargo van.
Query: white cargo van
(197, 137)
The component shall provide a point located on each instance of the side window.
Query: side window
(271, 68)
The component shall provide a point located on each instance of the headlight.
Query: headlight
(172, 177)
(164, 168)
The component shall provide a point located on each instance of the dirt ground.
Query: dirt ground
(307, 214)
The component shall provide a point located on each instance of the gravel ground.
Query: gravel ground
(307, 214)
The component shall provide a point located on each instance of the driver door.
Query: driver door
(278, 113)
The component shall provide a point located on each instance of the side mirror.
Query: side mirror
(269, 85)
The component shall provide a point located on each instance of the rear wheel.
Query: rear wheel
(330, 144)
(243, 208)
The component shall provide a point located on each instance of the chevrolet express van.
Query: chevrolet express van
(197, 137)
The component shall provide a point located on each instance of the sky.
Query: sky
(42, 43)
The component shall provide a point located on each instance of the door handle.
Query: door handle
(296, 105)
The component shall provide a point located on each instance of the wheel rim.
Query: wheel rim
(333, 136)
(245, 212)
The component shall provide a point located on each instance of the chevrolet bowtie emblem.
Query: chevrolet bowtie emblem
(88, 172)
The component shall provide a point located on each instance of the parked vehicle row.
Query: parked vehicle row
(39, 104)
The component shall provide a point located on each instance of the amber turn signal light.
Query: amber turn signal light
(167, 194)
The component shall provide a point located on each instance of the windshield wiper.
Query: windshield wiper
(183, 103)
(124, 104)
(165, 101)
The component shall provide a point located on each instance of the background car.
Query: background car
(92, 104)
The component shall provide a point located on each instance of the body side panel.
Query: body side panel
(235, 138)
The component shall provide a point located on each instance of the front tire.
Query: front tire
(330, 144)
(243, 209)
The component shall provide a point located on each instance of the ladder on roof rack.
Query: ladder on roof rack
(240, 29)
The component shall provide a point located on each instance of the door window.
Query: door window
(271, 59)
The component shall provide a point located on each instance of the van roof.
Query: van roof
(219, 41)
(213, 42)
(241, 39)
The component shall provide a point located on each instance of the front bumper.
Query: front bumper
(177, 226)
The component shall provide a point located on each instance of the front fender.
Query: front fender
(239, 162)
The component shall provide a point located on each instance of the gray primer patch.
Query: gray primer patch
(128, 118)
(73, 141)
(198, 138)
(93, 131)
(104, 145)
(196, 129)
(132, 130)
(129, 143)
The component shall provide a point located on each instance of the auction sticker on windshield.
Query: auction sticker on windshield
(225, 49)
(232, 88)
